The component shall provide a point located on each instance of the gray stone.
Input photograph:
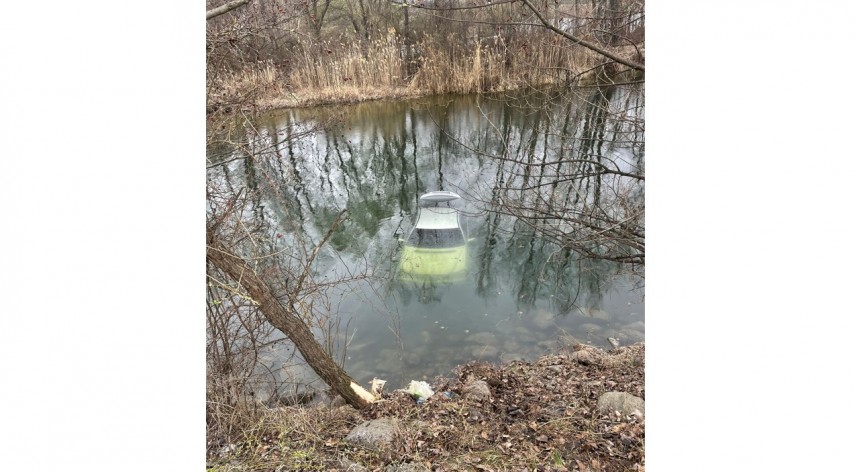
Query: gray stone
(349, 466)
(595, 313)
(567, 340)
(512, 346)
(485, 352)
(477, 390)
(508, 357)
(638, 326)
(483, 337)
(543, 319)
(586, 357)
(630, 336)
(622, 402)
(608, 333)
(524, 336)
(412, 359)
(590, 328)
(375, 433)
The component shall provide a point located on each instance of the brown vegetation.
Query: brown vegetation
(277, 54)
(540, 416)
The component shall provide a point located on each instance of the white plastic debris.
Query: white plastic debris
(377, 387)
(419, 389)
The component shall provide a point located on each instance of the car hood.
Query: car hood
(418, 263)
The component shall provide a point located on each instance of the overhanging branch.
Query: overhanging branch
(582, 42)
(225, 8)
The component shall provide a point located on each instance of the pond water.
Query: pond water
(517, 296)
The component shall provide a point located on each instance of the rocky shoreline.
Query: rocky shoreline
(578, 409)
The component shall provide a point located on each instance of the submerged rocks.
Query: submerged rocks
(595, 313)
(542, 319)
(485, 352)
(484, 337)
(508, 357)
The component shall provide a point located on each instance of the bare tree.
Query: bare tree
(263, 273)
(285, 319)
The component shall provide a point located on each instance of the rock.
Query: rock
(512, 345)
(375, 433)
(484, 337)
(587, 356)
(567, 340)
(592, 328)
(508, 357)
(638, 326)
(630, 335)
(542, 319)
(412, 359)
(595, 313)
(338, 401)
(524, 336)
(622, 402)
(474, 415)
(349, 466)
(484, 352)
(477, 390)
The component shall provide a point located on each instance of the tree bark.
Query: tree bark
(286, 321)
(225, 8)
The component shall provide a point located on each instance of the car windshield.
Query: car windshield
(436, 238)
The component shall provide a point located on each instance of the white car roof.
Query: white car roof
(437, 218)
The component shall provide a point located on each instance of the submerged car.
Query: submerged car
(436, 246)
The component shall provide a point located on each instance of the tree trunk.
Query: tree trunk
(286, 321)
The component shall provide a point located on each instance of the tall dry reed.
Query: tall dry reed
(336, 71)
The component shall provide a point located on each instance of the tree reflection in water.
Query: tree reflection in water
(535, 229)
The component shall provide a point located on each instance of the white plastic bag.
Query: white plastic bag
(419, 389)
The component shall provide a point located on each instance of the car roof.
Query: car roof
(437, 218)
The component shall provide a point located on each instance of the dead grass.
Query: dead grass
(335, 73)
(541, 416)
(244, 88)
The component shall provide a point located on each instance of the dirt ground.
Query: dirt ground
(539, 416)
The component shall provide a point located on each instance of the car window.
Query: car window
(436, 238)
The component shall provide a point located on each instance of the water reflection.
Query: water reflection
(505, 292)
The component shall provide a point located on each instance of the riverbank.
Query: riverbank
(345, 76)
(575, 410)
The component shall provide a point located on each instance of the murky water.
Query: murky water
(517, 295)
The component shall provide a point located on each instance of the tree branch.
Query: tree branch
(225, 8)
(580, 41)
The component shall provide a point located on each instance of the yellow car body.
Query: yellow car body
(436, 248)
